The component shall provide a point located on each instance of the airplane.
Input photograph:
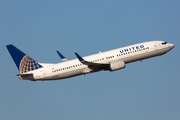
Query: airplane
(108, 61)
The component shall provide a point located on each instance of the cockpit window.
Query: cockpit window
(164, 43)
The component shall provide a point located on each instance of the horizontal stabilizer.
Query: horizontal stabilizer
(17, 74)
(26, 76)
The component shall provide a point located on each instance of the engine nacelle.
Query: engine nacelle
(117, 65)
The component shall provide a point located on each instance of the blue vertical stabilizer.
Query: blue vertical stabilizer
(23, 62)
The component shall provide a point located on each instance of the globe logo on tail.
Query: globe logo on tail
(28, 64)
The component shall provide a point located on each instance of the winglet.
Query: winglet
(88, 63)
(79, 57)
(62, 57)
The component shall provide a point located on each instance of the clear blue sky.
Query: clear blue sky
(147, 90)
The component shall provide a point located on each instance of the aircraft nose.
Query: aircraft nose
(171, 45)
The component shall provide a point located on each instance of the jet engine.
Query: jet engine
(117, 65)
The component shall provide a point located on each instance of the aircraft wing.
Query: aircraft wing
(91, 65)
(62, 56)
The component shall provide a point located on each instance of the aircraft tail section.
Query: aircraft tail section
(23, 62)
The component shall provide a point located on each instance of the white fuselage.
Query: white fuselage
(127, 54)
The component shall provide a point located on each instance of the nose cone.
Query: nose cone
(171, 45)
